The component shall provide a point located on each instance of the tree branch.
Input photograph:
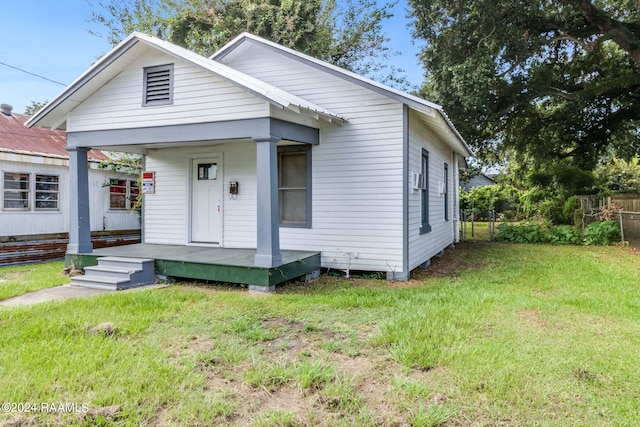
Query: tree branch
(624, 35)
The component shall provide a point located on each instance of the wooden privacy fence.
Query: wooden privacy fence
(625, 208)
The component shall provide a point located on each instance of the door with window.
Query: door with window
(206, 200)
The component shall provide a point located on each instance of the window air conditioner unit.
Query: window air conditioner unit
(418, 181)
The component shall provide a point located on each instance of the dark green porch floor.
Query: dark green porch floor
(206, 263)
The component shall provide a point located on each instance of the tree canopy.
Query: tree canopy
(346, 33)
(551, 80)
(34, 107)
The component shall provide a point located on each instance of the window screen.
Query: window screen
(16, 191)
(294, 186)
(123, 194)
(47, 190)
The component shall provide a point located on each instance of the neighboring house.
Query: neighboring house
(34, 183)
(263, 147)
(480, 180)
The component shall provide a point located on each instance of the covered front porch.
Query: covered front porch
(209, 263)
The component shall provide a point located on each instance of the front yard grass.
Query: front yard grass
(491, 334)
(18, 280)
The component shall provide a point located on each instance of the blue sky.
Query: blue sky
(51, 39)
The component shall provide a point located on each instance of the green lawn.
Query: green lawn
(18, 280)
(476, 231)
(492, 334)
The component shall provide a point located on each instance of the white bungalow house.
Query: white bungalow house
(265, 148)
(34, 182)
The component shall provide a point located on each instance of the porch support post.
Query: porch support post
(268, 213)
(79, 214)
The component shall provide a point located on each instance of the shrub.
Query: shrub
(480, 200)
(564, 235)
(597, 233)
(524, 232)
(601, 233)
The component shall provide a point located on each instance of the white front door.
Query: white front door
(206, 200)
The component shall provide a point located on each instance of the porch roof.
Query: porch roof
(54, 114)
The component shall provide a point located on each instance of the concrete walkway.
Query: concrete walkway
(61, 293)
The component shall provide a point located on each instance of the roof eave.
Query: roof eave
(410, 100)
(244, 82)
(396, 94)
(95, 69)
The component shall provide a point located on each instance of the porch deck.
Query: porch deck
(207, 263)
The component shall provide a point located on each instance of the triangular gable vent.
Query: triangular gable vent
(158, 84)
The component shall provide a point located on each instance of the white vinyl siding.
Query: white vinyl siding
(353, 210)
(167, 211)
(424, 246)
(48, 221)
(356, 169)
(198, 96)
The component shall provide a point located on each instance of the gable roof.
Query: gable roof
(54, 113)
(421, 105)
(37, 141)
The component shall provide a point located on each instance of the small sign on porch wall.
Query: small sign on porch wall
(148, 182)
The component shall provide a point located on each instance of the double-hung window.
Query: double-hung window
(123, 194)
(425, 228)
(47, 191)
(446, 192)
(294, 185)
(26, 192)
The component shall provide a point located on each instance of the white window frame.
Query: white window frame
(36, 191)
(304, 150)
(12, 190)
(32, 192)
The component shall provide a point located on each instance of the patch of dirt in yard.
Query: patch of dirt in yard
(465, 256)
(367, 380)
(289, 343)
(371, 377)
(19, 421)
(100, 413)
(14, 275)
(532, 317)
(190, 345)
(288, 399)
(161, 418)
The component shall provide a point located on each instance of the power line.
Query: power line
(33, 74)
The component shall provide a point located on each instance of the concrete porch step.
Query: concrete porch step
(122, 262)
(116, 273)
(108, 271)
(95, 281)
